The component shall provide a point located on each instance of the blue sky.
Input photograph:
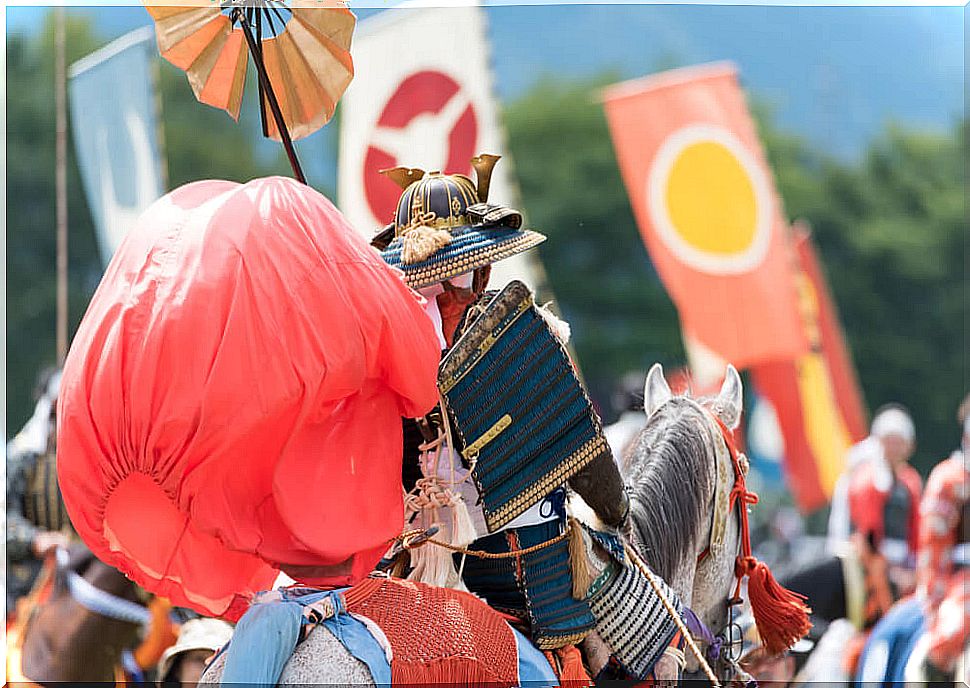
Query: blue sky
(835, 75)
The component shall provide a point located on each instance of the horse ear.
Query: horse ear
(729, 399)
(656, 391)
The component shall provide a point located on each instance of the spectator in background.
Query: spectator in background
(183, 663)
(861, 454)
(943, 568)
(37, 521)
(840, 526)
(884, 494)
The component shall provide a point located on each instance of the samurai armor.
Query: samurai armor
(536, 586)
(43, 504)
(524, 421)
(630, 616)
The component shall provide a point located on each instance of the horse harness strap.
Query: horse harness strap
(100, 602)
(781, 616)
(737, 494)
(741, 497)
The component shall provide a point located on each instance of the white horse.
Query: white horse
(678, 473)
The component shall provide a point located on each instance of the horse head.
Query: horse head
(94, 613)
(679, 473)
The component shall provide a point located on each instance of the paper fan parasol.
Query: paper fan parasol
(301, 50)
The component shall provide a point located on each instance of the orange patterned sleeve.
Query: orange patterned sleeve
(939, 517)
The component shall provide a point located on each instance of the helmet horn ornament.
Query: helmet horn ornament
(403, 176)
(483, 165)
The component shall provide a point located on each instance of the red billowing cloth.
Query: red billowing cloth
(231, 403)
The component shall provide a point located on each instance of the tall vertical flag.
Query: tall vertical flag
(815, 396)
(421, 97)
(706, 205)
(112, 99)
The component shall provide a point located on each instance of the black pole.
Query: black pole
(274, 106)
(262, 102)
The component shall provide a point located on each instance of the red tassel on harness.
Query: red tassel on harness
(780, 614)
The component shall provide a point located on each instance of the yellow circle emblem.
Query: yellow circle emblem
(709, 200)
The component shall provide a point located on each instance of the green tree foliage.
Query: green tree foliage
(891, 230)
(201, 143)
(205, 143)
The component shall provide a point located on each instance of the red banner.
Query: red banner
(816, 396)
(845, 384)
(706, 205)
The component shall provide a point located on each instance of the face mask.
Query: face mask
(447, 302)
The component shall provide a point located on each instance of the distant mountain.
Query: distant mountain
(835, 75)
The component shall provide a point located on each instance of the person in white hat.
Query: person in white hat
(884, 494)
(184, 662)
(890, 424)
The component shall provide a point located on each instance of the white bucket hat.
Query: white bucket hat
(894, 421)
(195, 634)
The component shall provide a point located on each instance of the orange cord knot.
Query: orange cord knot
(429, 493)
(744, 566)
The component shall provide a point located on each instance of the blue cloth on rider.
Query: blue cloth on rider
(534, 669)
(268, 632)
(890, 645)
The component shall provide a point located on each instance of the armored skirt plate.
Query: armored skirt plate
(525, 422)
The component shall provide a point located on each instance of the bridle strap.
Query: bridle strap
(739, 489)
(104, 603)
(99, 601)
(742, 498)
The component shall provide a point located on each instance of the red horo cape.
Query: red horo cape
(231, 403)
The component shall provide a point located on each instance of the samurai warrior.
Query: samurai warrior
(491, 465)
(943, 565)
(37, 521)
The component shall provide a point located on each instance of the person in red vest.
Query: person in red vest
(943, 565)
(884, 495)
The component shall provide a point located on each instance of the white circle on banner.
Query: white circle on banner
(710, 200)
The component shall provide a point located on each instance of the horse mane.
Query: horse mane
(669, 473)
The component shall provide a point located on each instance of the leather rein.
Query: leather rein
(98, 601)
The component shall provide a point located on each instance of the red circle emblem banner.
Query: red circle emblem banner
(419, 100)
(231, 403)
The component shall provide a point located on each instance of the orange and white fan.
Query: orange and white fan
(301, 51)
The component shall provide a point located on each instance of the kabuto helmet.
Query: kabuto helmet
(444, 227)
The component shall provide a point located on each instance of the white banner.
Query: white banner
(112, 103)
(421, 97)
